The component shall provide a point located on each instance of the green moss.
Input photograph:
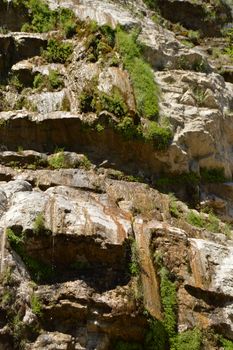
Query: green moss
(141, 74)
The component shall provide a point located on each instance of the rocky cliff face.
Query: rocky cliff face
(116, 165)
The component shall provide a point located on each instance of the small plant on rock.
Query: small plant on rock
(39, 224)
(196, 219)
(57, 161)
(36, 305)
(160, 136)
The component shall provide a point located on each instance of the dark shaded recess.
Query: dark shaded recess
(12, 16)
(210, 297)
(69, 320)
(12, 51)
(6, 342)
(101, 266)
(193, 16)
(227, 75)
(3, 319)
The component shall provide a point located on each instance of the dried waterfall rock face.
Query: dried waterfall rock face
(116, 205)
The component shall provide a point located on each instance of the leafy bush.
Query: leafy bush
(66, 21)
(191, 340)
(128, 129)
(227, 344)
(86, 100)
(38, 81)
(158, 135)
(173, 208)
(213, 175)
(55, 80)
(145, 88)
(43, 19)
(156, 337)
(113, 103)
(57, 51)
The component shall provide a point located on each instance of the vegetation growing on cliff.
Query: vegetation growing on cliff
(145, 88)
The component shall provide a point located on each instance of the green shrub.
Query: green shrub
(86, 163)
(86, 100)
(108, 34)
(57, 51)
(141, 74)
(152, 4)
(227, 344)
(67, 22)
(196, 219)
(188, 340)
(169, 302)
(156, 338)
(215, 175)
(160, 136)
(128, 129)
(194, 36)
(55, 80)
(38, 81)
(36, 305)
(15, 82)
(113, 103)
(42, 19)
(51, 82)
(39, 224)
(57, 161)
(213, 224)
(173, 208)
